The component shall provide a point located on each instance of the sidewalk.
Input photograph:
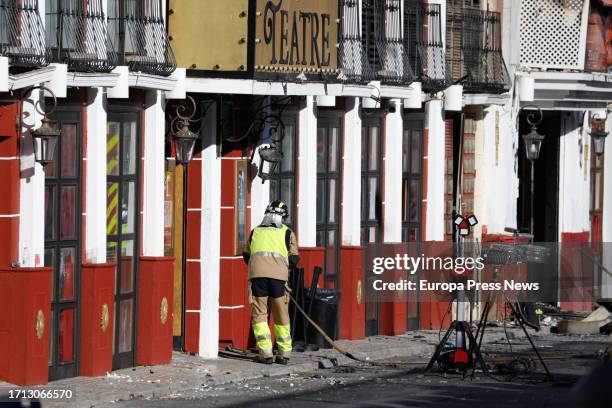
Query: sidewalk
(188, 372)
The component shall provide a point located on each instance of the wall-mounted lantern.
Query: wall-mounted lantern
(184, 143)
(598, 133)
(45, 137)
(533, 139)
(272, 156)
(183, 138)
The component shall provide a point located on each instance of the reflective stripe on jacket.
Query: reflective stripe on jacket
(269, 241)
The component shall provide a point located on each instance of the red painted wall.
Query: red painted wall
(24, 338)
(234, 312)
(192, 252)
(309, 259)
(155, 294)
(352, 293)
(96, 342)
(9, 188)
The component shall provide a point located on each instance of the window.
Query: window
(138, 31)
(412, 163)
(371, 165)
(63, 244)
(596, 216)
(383, 41)
(329, 138)
(22, 34)
(76, 30)
(372, 136)
(122, 226)
(282, 183)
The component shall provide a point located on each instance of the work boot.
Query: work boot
(282, 360)
(263, 359)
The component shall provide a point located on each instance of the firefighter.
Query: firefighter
(271, 249)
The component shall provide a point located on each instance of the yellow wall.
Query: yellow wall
(209, 34)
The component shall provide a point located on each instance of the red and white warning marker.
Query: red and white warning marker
(464, 224)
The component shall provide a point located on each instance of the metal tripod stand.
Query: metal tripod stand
(482, 324)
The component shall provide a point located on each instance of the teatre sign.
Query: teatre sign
(296, 35)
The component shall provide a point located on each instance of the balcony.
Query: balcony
(138, 32)
(352, 59)
(77, 34)
(22, 36)
(424, 44)
(383, 41)
(553, 34)
(473, 50)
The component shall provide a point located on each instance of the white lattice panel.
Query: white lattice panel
(553, 33)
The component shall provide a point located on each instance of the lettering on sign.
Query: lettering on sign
(297, 34)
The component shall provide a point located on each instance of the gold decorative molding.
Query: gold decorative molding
(40, 324)
(359, 292)
(164, 310)
(104, 318)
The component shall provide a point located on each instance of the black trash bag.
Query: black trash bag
(324, 312)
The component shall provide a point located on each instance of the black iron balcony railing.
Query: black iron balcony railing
(424, 44)
(474, 51)
(383, 41)
(138, 31)
(22, 35)
(352, 58)
(77, 34)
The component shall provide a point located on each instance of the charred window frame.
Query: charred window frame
(329, 188)
(473, 49)
(383, 42)
(412, 179)
(424, 44)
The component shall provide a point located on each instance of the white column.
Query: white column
(574, 174)
(210, 238)
(434, 124)
(32, 199)
(95, 190)
(496, 182)
(351, 175)
(307, 174)
(154, 160)
(606, 280)
(394, 127)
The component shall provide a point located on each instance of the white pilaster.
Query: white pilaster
(95, 191)
(496, 182)
(154, 160)
(307, 190)
(434, 124)
(32, 199)
(210, 238)
(393, 174)
(606, 279)
(351, 175)
(574, 173)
